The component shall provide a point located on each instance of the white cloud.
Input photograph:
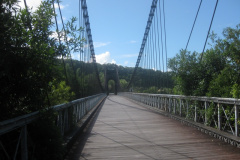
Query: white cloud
(100, 44)
(61, 34)
(126, 62)
(104, 58)
(54, 35)
(61, 6)
(133, 41)
(34, 4)
(113, 61)
(75, 56)
(30, 3)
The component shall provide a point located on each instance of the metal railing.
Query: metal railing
(220, 113)
(67, 113)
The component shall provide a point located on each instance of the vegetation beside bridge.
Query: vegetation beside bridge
(215, 73)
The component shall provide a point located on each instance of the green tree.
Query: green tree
(185, 69)
(235, 91)
(27, 62)
(111, 86)
(221, 85)
(27, 58)
(212, 64)
(123, 84)
(60, 93)
(226, 82)
(218, 74)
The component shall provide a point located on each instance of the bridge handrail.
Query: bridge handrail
(18, 122)
(68, 114)
(200, 98)
(196, 109)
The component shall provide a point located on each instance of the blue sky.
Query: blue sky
(118, 25)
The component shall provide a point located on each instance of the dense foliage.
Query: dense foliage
(152, 81)
(216, 74)
(33, 76)
(27, 55)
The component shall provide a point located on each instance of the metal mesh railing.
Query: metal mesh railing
(220, 113)
(67, 115)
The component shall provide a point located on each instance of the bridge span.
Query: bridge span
(122, 129)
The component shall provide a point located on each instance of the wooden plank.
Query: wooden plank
(125, 130)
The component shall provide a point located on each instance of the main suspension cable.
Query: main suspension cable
(209, 30)
(193, 25)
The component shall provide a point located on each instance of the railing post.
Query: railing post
(156, 98)
(165, 103)
(174, 111)
(147, 99)
(205, 106)
(24, 149)
(151, 101)
(75, 117)
(219, 117)
(65, 120)
(153, 98)
(85, 107)
(169, 105)
(180, 108)
(60, 122)
(236, 120)
(79, 112)
(155, 101)
(195, 111)
(159, 104)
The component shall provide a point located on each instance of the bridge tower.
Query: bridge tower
(111, 73)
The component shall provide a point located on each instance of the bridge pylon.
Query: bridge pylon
(111, 73)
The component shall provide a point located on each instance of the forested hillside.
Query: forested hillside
(146, 80)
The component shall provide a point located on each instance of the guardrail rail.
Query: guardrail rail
(65, 113)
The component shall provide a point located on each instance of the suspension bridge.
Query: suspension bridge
(129, 125)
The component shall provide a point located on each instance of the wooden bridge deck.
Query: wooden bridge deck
(125, 130)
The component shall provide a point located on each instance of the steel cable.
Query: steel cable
(59, 39)
(165, 35)
(209, 30)
(193, 25)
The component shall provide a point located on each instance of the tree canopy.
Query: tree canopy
(217, 74)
